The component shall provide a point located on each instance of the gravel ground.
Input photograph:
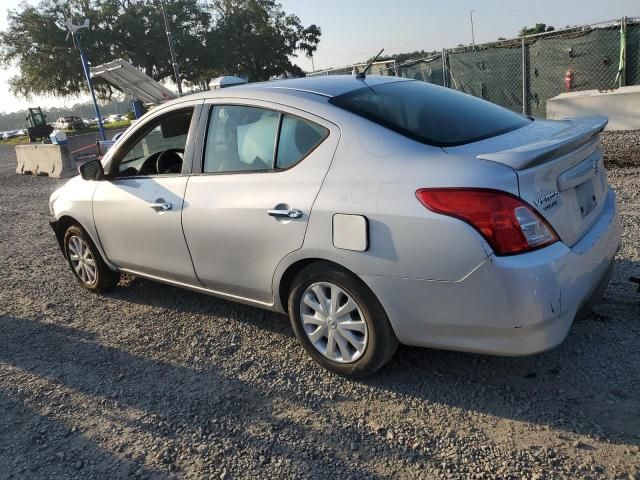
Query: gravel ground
(154, 382)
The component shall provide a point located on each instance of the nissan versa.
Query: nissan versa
(373, 211)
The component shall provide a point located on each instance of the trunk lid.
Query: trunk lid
(559, 167)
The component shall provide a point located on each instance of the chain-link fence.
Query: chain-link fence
(632, 51)
(522, 74)
(492, 72)
(428, 69)
(585, 58)
(386, 67)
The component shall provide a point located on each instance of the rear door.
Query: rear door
(249, 204)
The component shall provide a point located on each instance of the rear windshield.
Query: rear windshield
(430, 114)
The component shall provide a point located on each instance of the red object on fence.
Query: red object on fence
(568, 80)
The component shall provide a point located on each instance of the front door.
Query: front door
(249, 205)
(138, 208)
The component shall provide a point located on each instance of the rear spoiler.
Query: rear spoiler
(578, 132)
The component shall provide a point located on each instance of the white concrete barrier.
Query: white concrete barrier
(45, 159)
(622, 106)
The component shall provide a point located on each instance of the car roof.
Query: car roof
(327, 86)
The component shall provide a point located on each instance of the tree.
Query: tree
(38, 47)
(254, 38)
(137, 34)
(257, 38)
(129, 29)
(538, 28)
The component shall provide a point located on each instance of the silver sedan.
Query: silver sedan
(373, 211)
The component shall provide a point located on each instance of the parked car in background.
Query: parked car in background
(11, 134)
(69, 123)
(112, 118)
(374, 211)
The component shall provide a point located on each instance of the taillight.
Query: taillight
(507, 223)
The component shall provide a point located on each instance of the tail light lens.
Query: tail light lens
(507, 223)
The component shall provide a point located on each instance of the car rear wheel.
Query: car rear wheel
(340, 322)
(86, 263)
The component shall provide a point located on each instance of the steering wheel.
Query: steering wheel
(169, 161)
(129, 172)
(149, 166)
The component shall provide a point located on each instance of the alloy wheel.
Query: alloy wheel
(82, 260)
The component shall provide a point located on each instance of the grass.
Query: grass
(15, 141)
(94, 128)
(91, 129)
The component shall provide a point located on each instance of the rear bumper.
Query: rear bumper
(516, 305)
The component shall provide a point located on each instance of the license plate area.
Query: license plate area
(586, 195)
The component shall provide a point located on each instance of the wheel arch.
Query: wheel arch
(287, 277)
(60, 228)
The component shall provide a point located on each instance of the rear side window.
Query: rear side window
(297, 138)
(240, 139)
(430, 114)
(253, 139)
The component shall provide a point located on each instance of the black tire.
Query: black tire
(382, 342)
(105, 278)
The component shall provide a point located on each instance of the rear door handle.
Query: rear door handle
(161, 206)
(289, 213)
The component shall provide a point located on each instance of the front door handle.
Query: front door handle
(285, 213)
(161, 206)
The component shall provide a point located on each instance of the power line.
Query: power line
(174, 62)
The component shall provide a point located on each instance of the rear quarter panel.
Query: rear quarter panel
(376, 172)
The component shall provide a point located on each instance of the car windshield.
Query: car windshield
(430, 114)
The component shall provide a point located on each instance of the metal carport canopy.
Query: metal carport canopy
(130, 80)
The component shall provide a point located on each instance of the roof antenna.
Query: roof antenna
(363, 74)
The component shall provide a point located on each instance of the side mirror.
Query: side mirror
(91, 170)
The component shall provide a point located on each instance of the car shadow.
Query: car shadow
(589, 384)
(101, 390)
(145, 292)
(577, 388)
(55, 450)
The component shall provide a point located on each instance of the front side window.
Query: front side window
(160, 148)
(240, 138)
(298, 137)
(430, 114)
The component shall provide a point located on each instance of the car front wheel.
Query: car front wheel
(86, 263)
(340, 322)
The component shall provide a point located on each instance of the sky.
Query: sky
(354, 30)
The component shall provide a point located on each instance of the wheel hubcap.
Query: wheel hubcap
(82, 261)
(333, 322)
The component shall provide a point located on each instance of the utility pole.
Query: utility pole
(473, 37)
(74, 31)
(87, 74)
(174, 62)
